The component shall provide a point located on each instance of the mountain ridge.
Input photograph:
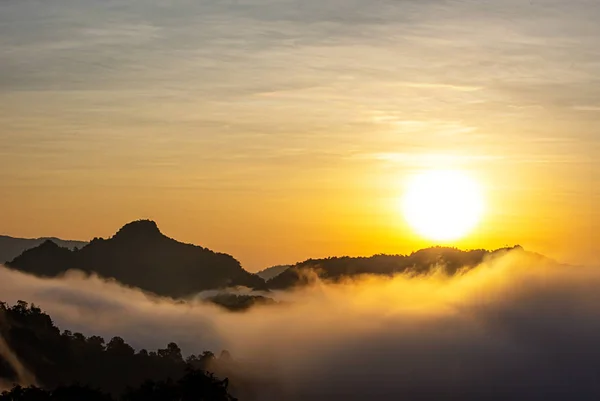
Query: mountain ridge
(272, 272)
(139, 255)
(452, 260)
(11, 247)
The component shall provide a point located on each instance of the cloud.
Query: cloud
(587, 108)
(517, 327)
(200, 84)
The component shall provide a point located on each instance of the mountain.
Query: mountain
(11, 247)
(272, 272)
(139, 255)
(420, 262)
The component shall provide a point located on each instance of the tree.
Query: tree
(64, 359)
(118, 346)
(172, 351)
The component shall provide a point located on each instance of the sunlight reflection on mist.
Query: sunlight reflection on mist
(516, 326)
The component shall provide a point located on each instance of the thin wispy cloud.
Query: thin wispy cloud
(148, 94)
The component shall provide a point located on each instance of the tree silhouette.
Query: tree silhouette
(422, 262)
(195, 385)
(70, 366)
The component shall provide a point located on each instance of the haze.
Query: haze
(516, 327)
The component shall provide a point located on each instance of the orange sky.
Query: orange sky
(277, 132)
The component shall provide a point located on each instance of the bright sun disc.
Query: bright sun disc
(443, 205)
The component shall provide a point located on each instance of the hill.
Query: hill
(420, 262)
(11, 247)
(35, 351)
(272, 272)
(139, 255)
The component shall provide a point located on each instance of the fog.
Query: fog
(516, 327)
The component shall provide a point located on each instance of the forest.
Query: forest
(43, 363)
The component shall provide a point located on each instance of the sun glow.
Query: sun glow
(443, 205)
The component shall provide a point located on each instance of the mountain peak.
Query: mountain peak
(139, 229)
(139, 255)
(48, 243)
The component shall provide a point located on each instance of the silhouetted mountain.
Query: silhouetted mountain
(11, 247)
(139, 255)
(272, 272)
(420, 262)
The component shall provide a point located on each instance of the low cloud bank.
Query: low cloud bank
(516, 327)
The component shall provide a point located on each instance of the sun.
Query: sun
(443, 205)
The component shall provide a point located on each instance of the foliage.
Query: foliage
(62, 362)
(195, 385)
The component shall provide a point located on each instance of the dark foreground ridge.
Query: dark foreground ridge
(139, 255)
(69, 366)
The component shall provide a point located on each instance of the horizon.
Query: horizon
(259, 269)
(277, 130)
(291, 200)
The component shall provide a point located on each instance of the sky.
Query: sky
(281, 130)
